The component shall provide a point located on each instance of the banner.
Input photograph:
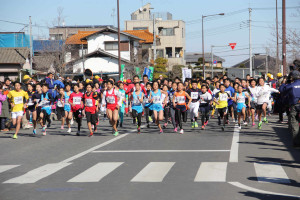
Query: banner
(186, 73)
(122, 70)
(147, 72)
(151, 74)
(138, 72)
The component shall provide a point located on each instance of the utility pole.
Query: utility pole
(277, 43)
(30, 41)
(203, 60)
(83, 68)
(119, 43)
(267, 64)
(250, 46)
(283, 38)
(212, 60)
(154, 38)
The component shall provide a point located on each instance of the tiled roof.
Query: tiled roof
(143, 34)
(75, 39)
(14, 55)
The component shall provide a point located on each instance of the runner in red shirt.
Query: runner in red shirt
(90, 101)
(76, 101)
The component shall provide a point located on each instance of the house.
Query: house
(171, 33)
(262, 64)
(12, 61)
(192, 59)
(102, 52)
(63, 32)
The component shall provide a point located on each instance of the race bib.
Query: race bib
(180, 99)
(122, 95)
(77, 100)
(18, 100)
(194, 95)
(156, 99)
(44, 103)
(110, 100)
(89, 102)
(223, 97)
(136, 102)
(146, 100)
(30, 102)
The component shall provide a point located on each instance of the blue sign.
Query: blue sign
(147, 71)
(215, 62)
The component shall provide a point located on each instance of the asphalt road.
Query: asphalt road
(200, 164)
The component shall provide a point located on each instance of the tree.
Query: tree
(160, 67)
(177, 71)
(242, 66)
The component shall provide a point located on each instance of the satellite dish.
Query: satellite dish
(141, 9)
(145, 9)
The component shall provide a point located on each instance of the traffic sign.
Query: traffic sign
(215, 62)
(232, 45)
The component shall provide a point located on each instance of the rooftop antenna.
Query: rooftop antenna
(113, 15)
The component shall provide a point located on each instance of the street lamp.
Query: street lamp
(203, 59)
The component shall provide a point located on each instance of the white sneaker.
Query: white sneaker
(69, 130)
(72, 121)
(245, 123)
(233, 120)
(181, 131)
(240, 127)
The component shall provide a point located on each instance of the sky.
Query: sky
(218, 31)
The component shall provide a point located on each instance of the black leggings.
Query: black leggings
(78, 118)
(178, 114)
(148, 113)
(204, 113)
(166, 114)
(46, 117)
(137, 115)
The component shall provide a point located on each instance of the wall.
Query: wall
(104, 64)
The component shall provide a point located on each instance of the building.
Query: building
(12, 61)
(262, 64)
(14, 39)
(63, 32)
(192, 59)
(102, 52)
(171, 33)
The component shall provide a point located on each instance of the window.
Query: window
(166, 31)
(160, 53)
(178, 52)
(109, 46)
(124, 46)
(169, 52)
(140, 28)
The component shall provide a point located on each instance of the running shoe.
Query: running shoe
(196, 125)
(181, 131)
(139, 130)
(44, 129)
(245, 123)
(205, 123)
(175, 130)
(121, 124)
(34, 131)
(116, 133)
(165, 125)
(69, 130)
(203, 127)
(253, 124)
(219, 122)
(62, 127)
(150, 119)
(161, 131)
(256, 117)
(78, 133)
(193, 124)
(44, 133)
(95, 129)
(91, 134)
(72, 121)
(259, 125)
(92, 126)
(240, 127)
(148, 125)
(223, 128)
(233, 120)
(265, 120)
(15, 136)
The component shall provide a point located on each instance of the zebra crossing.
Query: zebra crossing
(154, 172)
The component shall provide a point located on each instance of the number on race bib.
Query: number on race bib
(18, 100)
(194, 95)
(156, 99)
(77, 100)
(89, 102)
(180, 99)
(59, 104)
(110, 100)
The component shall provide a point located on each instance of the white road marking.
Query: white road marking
(271, 172)
(234, 152)
(93, 148)
(158, 151)
(96, 173)
(247, 188)
(212, 172)
(4, 168)
(153, 172)
(38, 173)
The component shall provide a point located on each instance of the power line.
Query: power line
(23, 24)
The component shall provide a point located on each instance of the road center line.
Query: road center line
(158, 151)
(234, 151)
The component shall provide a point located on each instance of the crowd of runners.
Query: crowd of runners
(161, 103)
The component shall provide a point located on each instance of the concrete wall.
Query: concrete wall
(97, 65)
(66, 32)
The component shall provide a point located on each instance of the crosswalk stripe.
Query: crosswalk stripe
(4, 168)
(271, 172)
(211, 172)
(153, 172)
(38, 173)
(96, 173)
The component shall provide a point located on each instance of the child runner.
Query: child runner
(179, 102)
(16, 98)
(166, 105)
(76, 101)
(36, 97)
(172, 108)
(194, 93)
(240, 99)
(205, 98)
(31, 105)
(67, 107)
(136, 105)
(146, 104)
(90, 102)
(60, 102)
(221, 99)
(122, 108)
